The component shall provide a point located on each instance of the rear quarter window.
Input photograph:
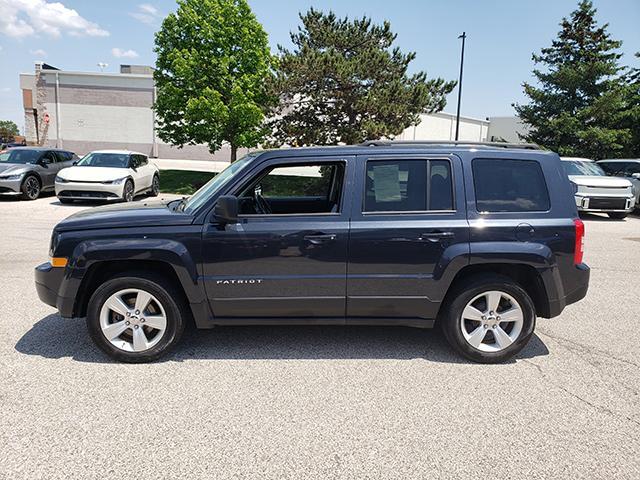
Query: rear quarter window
(509, 186)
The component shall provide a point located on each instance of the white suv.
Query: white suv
(108, 175)
(595, 191)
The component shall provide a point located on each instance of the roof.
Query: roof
(575, 159)
(125, 152)
(39, 148)
(614, 160)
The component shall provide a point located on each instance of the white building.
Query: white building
(85, 111)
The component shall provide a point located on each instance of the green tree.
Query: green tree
(631, 116)
(8, 130)
(345, 82)
(211, 75)
(578, 105)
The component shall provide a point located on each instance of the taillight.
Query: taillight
(578, 252)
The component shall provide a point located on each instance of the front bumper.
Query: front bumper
(48, 281)
(89, 191)
(10, 187)
(605, 204)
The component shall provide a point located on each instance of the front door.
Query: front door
(407, 221)
(287, 256)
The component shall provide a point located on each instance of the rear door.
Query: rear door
(287, 256)
(408, 219)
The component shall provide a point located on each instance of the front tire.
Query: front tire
(30, 188)
(617, 216)
(128, 191)
(489, 318)
(136, 318)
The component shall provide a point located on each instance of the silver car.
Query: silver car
(595, 191)
(28, 171)
(627, 168)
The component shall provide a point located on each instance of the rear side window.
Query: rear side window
(509, 186)
(408, 186)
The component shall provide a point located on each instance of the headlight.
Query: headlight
(12, 177)
(59, 179)
(115, 182)
(574, 186)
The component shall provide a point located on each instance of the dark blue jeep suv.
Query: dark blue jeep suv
(478, 238)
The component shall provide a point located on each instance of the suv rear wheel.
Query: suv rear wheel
(490, 319)
(136, 318)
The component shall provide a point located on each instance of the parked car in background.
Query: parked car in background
(108, 175)
(595, 191)
(482, 238)
(28, 171)
(627, 168)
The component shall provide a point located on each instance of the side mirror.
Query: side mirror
(75, 162)
(226, 210)
(636, 176)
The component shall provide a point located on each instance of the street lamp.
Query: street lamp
(102, 66)
(463, 37)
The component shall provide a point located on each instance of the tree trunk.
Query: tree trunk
(234, 153)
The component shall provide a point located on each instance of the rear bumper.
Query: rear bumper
(48, 280)
(577, 290)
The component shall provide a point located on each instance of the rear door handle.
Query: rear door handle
(435, 236)
(319, 238)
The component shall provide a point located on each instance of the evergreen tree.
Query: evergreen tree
(211, 74)
(631, 115)
(578, 108)
(345, 82)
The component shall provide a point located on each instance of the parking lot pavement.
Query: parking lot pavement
(320, 402)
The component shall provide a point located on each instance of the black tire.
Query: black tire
(155, 186)
(128, 191)
(30, 187)
(177, 314)
(450, 318)
(617, 216)
(65, 200)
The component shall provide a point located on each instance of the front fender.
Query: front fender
(91, 252)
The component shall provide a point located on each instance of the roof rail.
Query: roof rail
(405, 143)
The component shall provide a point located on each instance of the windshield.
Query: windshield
(576, 167)
(213, 186)
(20, 156)
(97, 159)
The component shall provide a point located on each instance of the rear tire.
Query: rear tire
(617, 216)
(116, 321)
(155, 186)
(30, 188)
(502, 328)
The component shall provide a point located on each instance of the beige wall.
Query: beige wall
(442, 126)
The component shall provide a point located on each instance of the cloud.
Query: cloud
(38, 52)
(23, 18)
(146, 13)
(120, 53)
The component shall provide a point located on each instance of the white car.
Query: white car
(595, 191)
(108, 175)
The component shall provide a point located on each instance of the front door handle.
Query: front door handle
(435, 236)
(319, 238)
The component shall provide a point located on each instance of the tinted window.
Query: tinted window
(509, 186)
(140, 160)
(408, 186)
(20, 156)
(294, 189)
(632, 167)
(61, 156)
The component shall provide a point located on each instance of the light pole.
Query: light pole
(463, 37)
(102, 66)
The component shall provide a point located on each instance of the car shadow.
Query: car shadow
(55, 337)
(599, 217)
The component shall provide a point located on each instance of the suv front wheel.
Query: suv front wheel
(489, 319)
(136, 318)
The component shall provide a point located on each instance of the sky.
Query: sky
(501, 36)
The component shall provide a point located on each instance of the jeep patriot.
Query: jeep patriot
(478, 238)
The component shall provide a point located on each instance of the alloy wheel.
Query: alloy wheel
(492, 321)
(156, 186)
(32, 187)
(133, 320)
(128, 191)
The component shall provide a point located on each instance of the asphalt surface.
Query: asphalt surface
(320, 402)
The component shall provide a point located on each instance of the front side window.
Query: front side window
(309, 188)
(509, 186)
(408, 186)
(99, 159)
